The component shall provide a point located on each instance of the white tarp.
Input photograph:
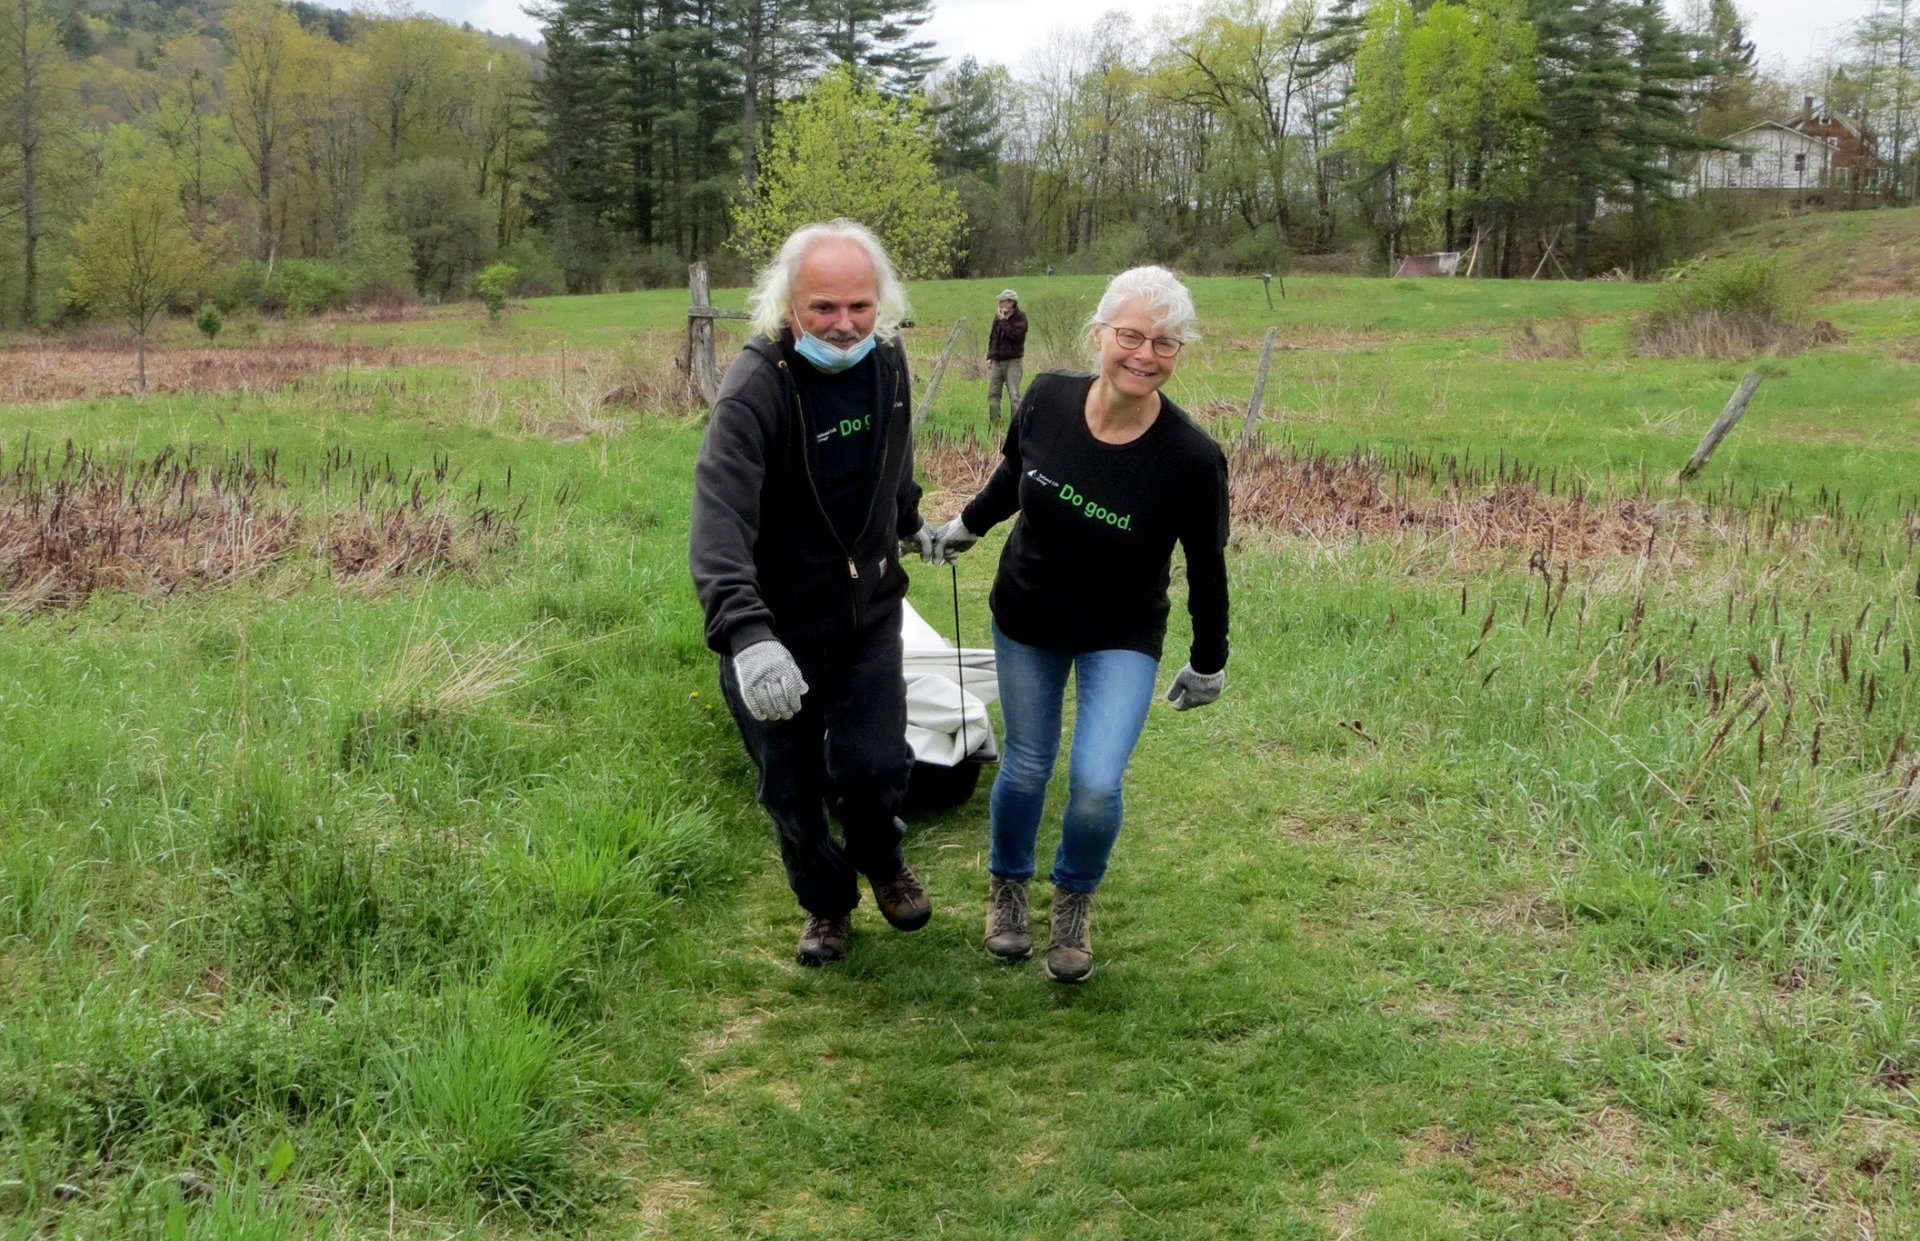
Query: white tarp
(936, 701)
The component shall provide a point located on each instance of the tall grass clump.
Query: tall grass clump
(280, 863)
(1731, 308)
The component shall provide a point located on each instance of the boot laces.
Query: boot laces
(1071, 915)
(1009, 903)
(903, 887)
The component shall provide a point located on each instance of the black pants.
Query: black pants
(846, 749)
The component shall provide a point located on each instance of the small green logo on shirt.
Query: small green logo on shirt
(1119, 521)
(847, 429)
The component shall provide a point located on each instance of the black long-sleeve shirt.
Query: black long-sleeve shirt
(1088, 563)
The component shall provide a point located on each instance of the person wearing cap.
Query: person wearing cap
(1006, 346)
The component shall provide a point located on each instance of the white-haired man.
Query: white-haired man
(803, 504)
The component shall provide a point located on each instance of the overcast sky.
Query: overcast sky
(1789, 33)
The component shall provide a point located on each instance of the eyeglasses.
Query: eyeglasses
(1128, 339)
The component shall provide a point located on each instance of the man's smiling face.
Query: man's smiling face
(836, 293)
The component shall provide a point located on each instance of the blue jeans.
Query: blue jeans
(1112, 690)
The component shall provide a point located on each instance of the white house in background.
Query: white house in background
(1768, 156)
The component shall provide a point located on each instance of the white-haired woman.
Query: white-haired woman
(1105, 475)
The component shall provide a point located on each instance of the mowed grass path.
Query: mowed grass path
(1438, 925)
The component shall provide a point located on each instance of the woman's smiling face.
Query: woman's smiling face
(1138, 371)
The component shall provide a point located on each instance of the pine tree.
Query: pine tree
(576, 110)
(876, 37)
(967, 120)
(1727, 102)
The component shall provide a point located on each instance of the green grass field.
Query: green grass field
(345, 894)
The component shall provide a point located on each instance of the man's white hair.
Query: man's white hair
(1159, 293)
(772, 295)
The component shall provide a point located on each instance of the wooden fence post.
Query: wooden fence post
(1735, 410)
(700, 317)
(706, 374)
(1252, 422)
(939, 369)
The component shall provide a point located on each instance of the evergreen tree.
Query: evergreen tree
(576, 109)
(967, 120)
(877, 37)
(1728, 101)
(1587, 78)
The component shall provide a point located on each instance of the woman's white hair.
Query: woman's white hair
(772, 295)
(1158, 292)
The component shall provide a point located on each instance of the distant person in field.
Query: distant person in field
(803, 506)
(1006, 346)
(1103, 475)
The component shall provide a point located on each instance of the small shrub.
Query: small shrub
(209, 321)
(292, 287)
(1731, 308)
(496, 284)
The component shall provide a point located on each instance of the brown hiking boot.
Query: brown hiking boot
(824, 940)
(1070, 954)
(902, 900)
(1007, 934)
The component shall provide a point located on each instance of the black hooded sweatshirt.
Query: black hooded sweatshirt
(766, 558)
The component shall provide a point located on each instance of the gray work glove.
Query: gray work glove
(919, 543)
(952, 539)
(770, 682)
(1195, 689)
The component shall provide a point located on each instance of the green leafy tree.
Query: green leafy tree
(1247, 62)
(1377, 131)
(496, 285)
(447, 227)
(133, 256)
(844, 150)
(1471, 140)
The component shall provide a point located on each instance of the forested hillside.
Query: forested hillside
(321, 156)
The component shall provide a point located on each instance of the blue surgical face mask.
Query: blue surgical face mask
(829, 357)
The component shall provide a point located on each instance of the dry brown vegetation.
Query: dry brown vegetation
(71, 524)
(1712, 334)
(1531, 344)
(581, 381)
(1470, 510)
(33, 373)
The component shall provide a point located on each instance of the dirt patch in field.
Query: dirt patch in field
(71, 525)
